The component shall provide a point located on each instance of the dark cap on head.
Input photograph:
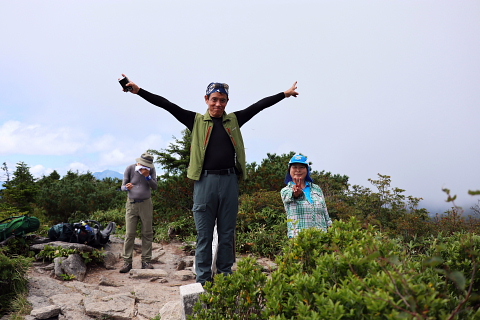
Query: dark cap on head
(217, 87)
(146, 159)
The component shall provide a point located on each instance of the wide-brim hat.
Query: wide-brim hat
(146, 159)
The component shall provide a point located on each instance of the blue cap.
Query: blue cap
(298, 158)
(301, 159)
(217, 87)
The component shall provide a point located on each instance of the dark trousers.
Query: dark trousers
(215, 200)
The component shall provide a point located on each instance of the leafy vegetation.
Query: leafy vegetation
(13, 277)
(52, 252)
(353, 273)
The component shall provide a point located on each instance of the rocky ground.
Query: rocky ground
(105, 293)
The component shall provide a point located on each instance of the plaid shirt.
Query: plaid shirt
(302, 214)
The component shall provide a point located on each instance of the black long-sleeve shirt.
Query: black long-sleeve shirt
(222, 155)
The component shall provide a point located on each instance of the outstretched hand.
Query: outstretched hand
(135, 88)
(292, 91)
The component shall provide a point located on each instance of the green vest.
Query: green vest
(202, 128)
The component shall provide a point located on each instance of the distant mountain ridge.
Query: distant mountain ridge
(108, 174)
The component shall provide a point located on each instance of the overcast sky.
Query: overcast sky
(389, 87)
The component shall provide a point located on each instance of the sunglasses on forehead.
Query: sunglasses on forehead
(222, 87)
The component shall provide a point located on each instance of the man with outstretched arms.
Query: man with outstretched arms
(217, 161)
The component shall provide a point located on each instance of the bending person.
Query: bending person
(139, 180)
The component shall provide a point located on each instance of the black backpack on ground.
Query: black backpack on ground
(89, 232)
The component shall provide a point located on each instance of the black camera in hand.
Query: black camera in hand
(123, 83)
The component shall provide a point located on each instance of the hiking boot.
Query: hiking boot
(126, 267)
(146, 265)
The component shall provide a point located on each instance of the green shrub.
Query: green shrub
(236, 296)
(76, 196)
(51, 252)
(111, 215)
(354, 273)
(13, 278)
(261, 224)
(20, 307)
(181, 229)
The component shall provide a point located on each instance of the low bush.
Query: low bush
(13, 279)
(181, 229)
(236, 296)
(107, 216)
(354, 273)
(51, 252)
(261, 224)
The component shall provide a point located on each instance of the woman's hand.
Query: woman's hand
(297, 187)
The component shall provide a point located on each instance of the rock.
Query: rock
(188, 261)
(120, 306)
(69, 302)
(109, 260)
(172, 310)
(71, 306)
(190, 294)
(181, 265)
(38, 239)
(147, 273)
(57, 262)
(74, 315)
(74, 265)
(64, 245)
(42, 288)
(81, 287)
(46, 312)
(150, 299)
(157, 253)
(184, 275)
(147, 310)
(50, 267)
(115, 239)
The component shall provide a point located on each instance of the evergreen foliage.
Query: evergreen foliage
(77, 196)
(175, 159)
(20, 191)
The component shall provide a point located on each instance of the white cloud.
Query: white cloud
(108, 150)
(118, 152)
(104, 142)
(113, 158)
(39, 170)
(78, 166)
(38, 139)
